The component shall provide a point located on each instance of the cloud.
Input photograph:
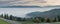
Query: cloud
(31, 2)
(20, 2)
(6, 0)
(27, 2)
(37, 2)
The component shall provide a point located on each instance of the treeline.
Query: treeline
(33, 19)
(11, 17)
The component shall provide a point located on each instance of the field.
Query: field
(3, 22)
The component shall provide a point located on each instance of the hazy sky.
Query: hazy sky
(21, 12)
(30, 2)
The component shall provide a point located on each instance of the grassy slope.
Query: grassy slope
(3, 22)
(28, 22)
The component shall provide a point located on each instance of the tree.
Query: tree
(48, 20)
(54, 19)
(24, 19)
(5, 16)
(11, 17)
(18, 19)
(42, 19)
(1, 15)
(58, 18)
(36, 20)
(14, 18)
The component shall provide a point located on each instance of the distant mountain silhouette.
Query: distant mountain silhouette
(28, 6)
(50, 14)
(20, 6)
(53, 6)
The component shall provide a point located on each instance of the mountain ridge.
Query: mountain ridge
(50, 14)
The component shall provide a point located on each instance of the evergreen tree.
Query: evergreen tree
(42, 19)
(36, 20)
(11, 17)
(18, 19)
(14, 18)
(58, 18)
(1, 15)
(54, 19)
(5, 16)
(24, 19)
(48, 20)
